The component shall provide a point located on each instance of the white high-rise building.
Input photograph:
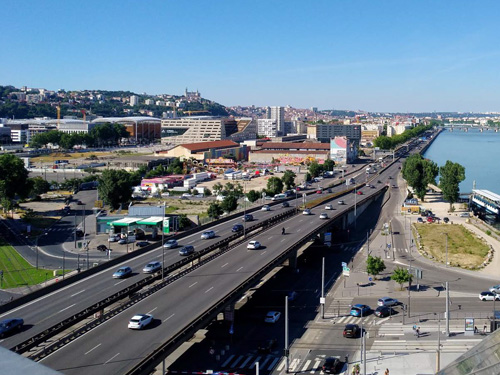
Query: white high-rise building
(134, 100)
(278, 114)
(267, 127)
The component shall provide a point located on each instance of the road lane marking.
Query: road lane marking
(239, 269)
(168, 318)
(255, 362)
(69, 307)
(150, 311)
(263, 252)
(95, 347)
(113, 357)
(261, 365)
(228, 360)
(81, 291)
(298, 230)
(236, 362)
(306, 365)
(246, 361)
(280, 367)
(192, 241)
(282, 240)
(193, 284)
(224, 265)
(295, 363)
(209, 289)
(269, 237)
(119, 282)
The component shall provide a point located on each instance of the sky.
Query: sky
(380, 56)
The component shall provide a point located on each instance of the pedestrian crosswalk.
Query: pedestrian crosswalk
(347, 319)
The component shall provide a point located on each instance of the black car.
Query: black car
(79, 233)
(237, 228)
(102, 248)
(446, 220)
(383, 311)
(267, 346)
(8, 326)
(331, 365)
(351, 330)
(142, 243)
(285, 204)
(247, 217)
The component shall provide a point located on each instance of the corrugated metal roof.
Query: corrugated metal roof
(487, 194)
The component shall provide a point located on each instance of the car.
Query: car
(495, 289)
(124, 241)
(359, 192)
(142, 243)
(368, 185)
(247, 217)
(267, 346)
(379, 182)
(186, 195)
(331, 365)
(7, 326)
(319, 191)
(122, 272)
(383, 311)
(253, 245)
(79, 233)
(237, 228)
(464, 214)
(390, 177)
(186, 250)
(394, 187)
(139, 321)
(360, 310)
(329, 207)
(265, 208)
(272, 317)
(307, 211)
(341, 203)
(285, 204)
(489, 296)
(323, 215)
(80, 203)
(102, 248)
(446, 220)
(114, 238)
(387, 301)
(351, 330)
(430, 219)
(170, 244)
(420, 220)
(152, 267)
(207, 235)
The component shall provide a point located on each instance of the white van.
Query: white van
(277, 197)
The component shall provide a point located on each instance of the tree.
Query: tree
(13, 177)
(230, 203)
(39, 186)
(274, 185)
(315, 169)
(184, 222)
(115, 187)
(253, 195)
(328, 165)
(374, 265)
(450, 177)
(288, 179)
(401, 276)
(214, 210)
(218, 188)
(418, 173)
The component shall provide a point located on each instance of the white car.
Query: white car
(265, 208)
(495, 289)
(341, 203)
(489, 296)
(307, 211)
(186, 195)
(207, 235)
(323, 215)
(464, 214)
(253, 245)
(329, 207)
(140, 321)
(387, 301)
(272, 317)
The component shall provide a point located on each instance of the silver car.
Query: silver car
(207, 235)
(170, 244)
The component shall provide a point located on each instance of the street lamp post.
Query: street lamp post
(244, 209)
(163, 245)
(446, 264)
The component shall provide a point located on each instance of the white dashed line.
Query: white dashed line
(113, 357)
(224, 265)
(239, 269)
(81, 291)
(95, 347)
(168, 318)
(69, 307)
(208, 290)
(193, 284)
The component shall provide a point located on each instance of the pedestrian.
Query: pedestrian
(484, 329)
(386, 371)
(415, 328)
(418, 332)
(475, 329)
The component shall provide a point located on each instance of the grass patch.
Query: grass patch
(465, 249)
(42, 222)
(171, 209)
(17, 271)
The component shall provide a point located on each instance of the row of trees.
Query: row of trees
(100, 135)
(419, 173)
(388, 143)
(375, 265)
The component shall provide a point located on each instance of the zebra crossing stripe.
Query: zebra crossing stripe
(295, 363)
(246, 361)
(265, 361)
(282, 364)
(306, 365)
(228, 360)
(255, 363)
(316, 367)
(236, 362)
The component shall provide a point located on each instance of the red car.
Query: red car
(430, 219)
(319, 191)
(359, 193)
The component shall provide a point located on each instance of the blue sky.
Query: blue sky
(346, 54)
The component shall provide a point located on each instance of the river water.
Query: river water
(478, 152)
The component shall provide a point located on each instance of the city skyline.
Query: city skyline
(378, 57)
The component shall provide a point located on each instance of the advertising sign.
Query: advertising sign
(469, 324)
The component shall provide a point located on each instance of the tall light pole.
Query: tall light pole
(163, 244)
(244, 209)
(446, 234)
(323, 290)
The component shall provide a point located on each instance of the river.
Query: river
(475, 150)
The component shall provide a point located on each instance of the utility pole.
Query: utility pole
(287, 358)
(446, 265)
(447, 311)
(409, 289)
(438, 353)
(323, 289)
(368, 243)
(163, 244)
